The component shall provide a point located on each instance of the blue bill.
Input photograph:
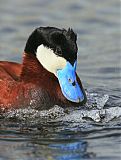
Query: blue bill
(68, 83)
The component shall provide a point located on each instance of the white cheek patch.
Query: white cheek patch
(49, 59)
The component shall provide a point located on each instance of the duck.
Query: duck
(47, 75)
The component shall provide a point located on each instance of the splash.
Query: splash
(94, 110)
(96, 100)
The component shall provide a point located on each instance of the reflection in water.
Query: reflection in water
(68, 151)
(41, 146)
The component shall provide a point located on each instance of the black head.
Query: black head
(62, 42)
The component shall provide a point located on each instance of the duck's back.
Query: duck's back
(9, 70)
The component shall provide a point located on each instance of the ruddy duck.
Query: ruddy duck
(47, 75)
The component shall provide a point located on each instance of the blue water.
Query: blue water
(89, 132)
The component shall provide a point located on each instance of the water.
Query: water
(89, 132)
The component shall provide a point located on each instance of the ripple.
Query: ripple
(109, 70)
(8, 30)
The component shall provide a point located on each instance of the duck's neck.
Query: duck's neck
(31, 68)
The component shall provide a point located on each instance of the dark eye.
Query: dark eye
(58, 51)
